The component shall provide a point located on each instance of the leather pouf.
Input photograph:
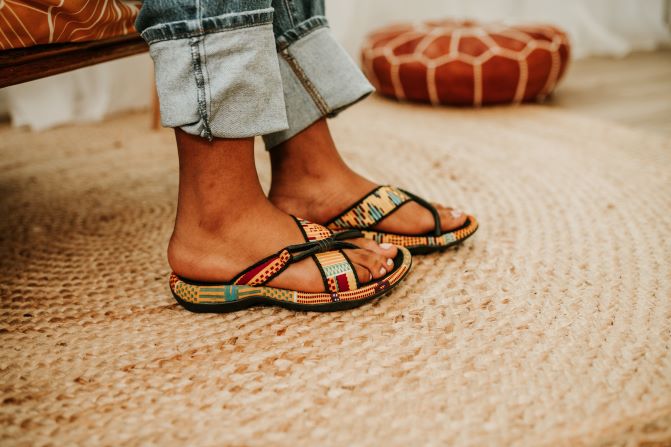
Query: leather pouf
(466, 63)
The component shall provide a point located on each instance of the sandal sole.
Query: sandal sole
(403, 264)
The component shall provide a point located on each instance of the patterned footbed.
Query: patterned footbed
(382, 202)
(426, 243)
(204, 297)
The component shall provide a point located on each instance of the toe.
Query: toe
(368, 264)
(450, 218)
(362, 273)
(389, 251)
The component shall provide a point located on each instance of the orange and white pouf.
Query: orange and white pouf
(466, 63)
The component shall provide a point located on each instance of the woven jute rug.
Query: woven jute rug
(552, 326)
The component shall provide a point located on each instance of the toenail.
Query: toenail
(385, 246)
(456, 214)
(383, 271)
(390, 262)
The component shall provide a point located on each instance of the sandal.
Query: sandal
(384, 201)
(343, 288)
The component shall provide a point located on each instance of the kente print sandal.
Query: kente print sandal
(382, 202)
(343, 290)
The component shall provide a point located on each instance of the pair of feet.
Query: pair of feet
(225, 223)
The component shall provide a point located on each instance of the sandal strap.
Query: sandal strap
(378, 205)
(268, 268)
(337, 271)
(370, 209)
(434, 212)
(264, 270)
(312, 231)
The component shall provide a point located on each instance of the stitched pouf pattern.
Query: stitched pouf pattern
(466, 63)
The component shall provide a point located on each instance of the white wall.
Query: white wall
(596, 27)
(87, 94)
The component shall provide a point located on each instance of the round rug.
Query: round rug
(550, 327)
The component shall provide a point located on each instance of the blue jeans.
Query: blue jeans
(241, 68)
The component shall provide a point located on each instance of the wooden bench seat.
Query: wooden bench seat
(27, 64)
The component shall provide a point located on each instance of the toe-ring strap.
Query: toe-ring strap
(377, 205)
(337, 271)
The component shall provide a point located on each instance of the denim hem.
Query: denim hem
(319, 80)
(301, 30)
(199, 27)
(229, 87)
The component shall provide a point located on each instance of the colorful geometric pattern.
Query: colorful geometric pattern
(213, 294)
(265, 271)
(313, 231)
(384, 201)
(338, 271)
(465, 63)
(27, 22)
(371, 209)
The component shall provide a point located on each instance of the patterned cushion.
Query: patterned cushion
(466, 63)
(26, 23)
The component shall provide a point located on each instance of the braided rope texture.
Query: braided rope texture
(465, 62)
(550, 327)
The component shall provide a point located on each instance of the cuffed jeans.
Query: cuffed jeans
(241, 68)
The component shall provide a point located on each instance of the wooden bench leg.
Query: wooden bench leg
(155, 110)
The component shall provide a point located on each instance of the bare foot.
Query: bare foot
(310, 179)
(220, 252)
(225, 224)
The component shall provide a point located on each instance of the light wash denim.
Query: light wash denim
(241, 68)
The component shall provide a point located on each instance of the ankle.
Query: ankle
(318, 199)
(311, 153)
(291, 168)
(211, 218)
